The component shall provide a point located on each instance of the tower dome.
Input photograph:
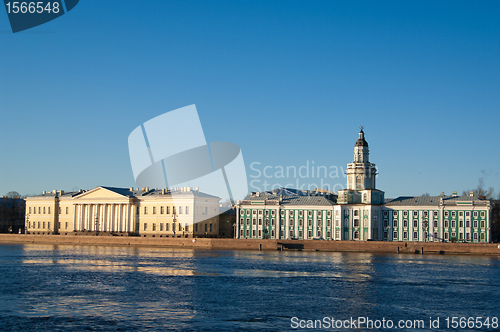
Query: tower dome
(361, 140)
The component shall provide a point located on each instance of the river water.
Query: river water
(105, 288)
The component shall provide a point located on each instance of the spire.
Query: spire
(361, 140)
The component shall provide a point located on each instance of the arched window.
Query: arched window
(356, 235)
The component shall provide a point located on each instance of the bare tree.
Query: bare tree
(481, 192)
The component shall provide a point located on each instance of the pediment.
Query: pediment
(103, 193)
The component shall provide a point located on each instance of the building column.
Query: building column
(74, 217)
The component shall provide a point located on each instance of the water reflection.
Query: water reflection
(64, 287)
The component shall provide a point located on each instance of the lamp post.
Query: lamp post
(174, 221)
(96, 223)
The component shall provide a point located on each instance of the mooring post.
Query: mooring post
(260, 246)
(398, 250)
(422, 252)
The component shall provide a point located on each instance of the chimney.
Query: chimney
(54, 191)
(80, 191)
(62, 192)
(131, 189)
(44, 192)
(197, 189)
(454, 194)
(442, 194)
(471, 194)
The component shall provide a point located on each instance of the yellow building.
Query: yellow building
(179, 212)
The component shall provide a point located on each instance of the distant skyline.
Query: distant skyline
(290, 82)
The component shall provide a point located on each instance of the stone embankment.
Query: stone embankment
(241, 244)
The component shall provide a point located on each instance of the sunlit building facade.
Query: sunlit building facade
(180, 212)
(362, 213)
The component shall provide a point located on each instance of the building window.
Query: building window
(242, 221)
(267, 213)
(356, 235)
(329, 213)
(385, 213)
(154, 226)
(356, 222)
(467, 223)
(475, 214)
(44, 211)
(167, 226)
(385, 235)
(145, 210)
(301, 213)
(482, 223)
(254, 221)
(309, 234)
(467, 236)
(461, 213)
(453, 214)
(186, 228)
(260, 211)
(446, 235)
(405, 235)
(253, 232)
(415, 235)
(282, 213)
(446, 223)
(482, 236)
(435, 214)
(475, 223)
(467, 213)
(168, 209)
(248, 233)
(66, 225)
(291, 233)
(461, 236)
(291, 222)
(43, 225)
(328, 223)
(415, 223)
(272, 222)
(453, 234)
(435, 223)
(161, 227)
(310, 223)
(48, 225)
(300, 234)
(426, 213)
(260, 221)
(482, 216)
(154, 209)
(395, 235)
(394, 213)
(67, 210)
(241, 233)
(356, 213)
(405, 213)
(461, 223)
(272, 233)
(273, 212)
(453, 223)
(180, 210)
(475, 236)
(415, 213)
(394, 223)
(446, 214)
(405, 223)
(328, 235)
(59, 210)
(319, 223)
(435, 236)
(310, 213)
(145, 226)
(162, 210)
(187, 209)
(38, 224)
(196, 228)
(210, 227)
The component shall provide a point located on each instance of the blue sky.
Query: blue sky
(290, 82)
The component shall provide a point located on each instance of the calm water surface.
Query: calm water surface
(100, 288)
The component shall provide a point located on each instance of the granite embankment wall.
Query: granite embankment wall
(241, 244)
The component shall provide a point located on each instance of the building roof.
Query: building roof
(361, 140)
(434, 200)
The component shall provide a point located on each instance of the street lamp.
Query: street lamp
(174, 221)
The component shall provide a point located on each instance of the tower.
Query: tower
(361, 175)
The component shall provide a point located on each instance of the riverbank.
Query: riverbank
(247, 244)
